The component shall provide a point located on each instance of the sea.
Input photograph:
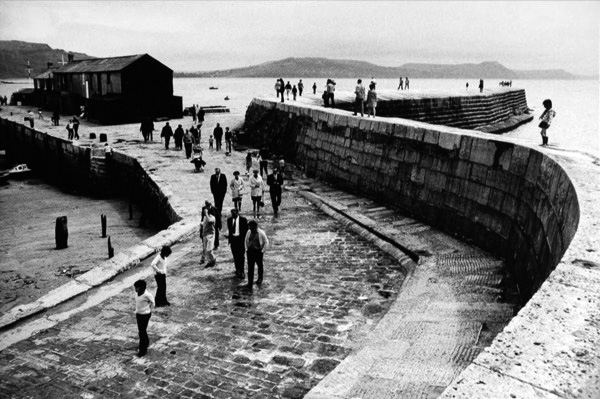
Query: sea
(576, 102)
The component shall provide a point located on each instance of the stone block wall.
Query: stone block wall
(61, 162)
(513, 201)
(467, 112)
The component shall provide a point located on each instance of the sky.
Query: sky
(213, 35)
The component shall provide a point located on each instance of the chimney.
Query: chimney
(49, 64)
(70, 57)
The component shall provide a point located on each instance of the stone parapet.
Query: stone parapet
(517, 202)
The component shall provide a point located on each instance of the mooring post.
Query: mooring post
(103, 222)
(61, 232)
(111, 250)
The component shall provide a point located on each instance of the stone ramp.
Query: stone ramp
(449, 309)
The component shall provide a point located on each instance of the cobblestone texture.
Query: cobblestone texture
(320, 297)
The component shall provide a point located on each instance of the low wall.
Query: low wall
(467, 111)
(65, 163)
(510, 200)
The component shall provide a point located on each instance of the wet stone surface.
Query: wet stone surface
(319, 298)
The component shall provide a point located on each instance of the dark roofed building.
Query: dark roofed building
(112, 90)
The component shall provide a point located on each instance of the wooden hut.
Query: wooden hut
(112, 90)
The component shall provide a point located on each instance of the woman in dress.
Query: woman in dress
(256, 192)
(159, 264)
(237, 190)
(546, 120)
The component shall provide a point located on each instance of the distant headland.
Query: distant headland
(16, 57)
(327, 68)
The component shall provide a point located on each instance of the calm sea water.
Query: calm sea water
(576, 102)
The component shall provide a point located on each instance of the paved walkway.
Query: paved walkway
(334, 270)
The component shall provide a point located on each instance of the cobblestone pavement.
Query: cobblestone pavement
(319, 298)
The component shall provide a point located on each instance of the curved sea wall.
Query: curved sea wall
(496, 112)
(512, 201)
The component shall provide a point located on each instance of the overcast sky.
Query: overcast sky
(199, 36)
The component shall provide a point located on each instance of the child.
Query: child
(159, 264)
(546, 120)
(144, 303)
(210, 142)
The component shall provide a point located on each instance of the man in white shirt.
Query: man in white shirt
(144, 303)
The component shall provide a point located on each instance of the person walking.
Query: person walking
(237, 190)
(277, 87)
(237, 227)
(263, 162)
(178, 137)
(146, 128)
(300, 87)
(76, 127)
(200, 117)
(207, 233)
(288, 88)
(330, 92)
(216, 213)
(248, 163)
(218, 133)
(372, 100)
(218, 188)
(188, 142)
(70, 130)
(228, 139)
(275, 183)
(194, 113)
(195, 134)
(401, 84)
(359, 101)
(314, 88)
(281, 88)
(159, 264)
(55, 118)
(256, 191)
(406, 83)
(256, 244)
(294, 92)
(481, 85)
(166, 133)
(546, 120)
(144, 304)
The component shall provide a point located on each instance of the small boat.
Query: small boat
(227, 98)
(213, 88)
(19, 171)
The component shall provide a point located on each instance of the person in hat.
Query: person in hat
(237, 190)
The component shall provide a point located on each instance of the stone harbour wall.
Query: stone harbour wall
(63, 162)
(512, 201)
(467, 112)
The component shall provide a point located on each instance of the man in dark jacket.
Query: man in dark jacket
(218, 188)
(178, 137)
(237, 227)
(218, 133)
(166, 132)
(275, 182)
(228, 139)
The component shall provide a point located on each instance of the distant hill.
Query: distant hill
(326, 68)
(15, 54)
